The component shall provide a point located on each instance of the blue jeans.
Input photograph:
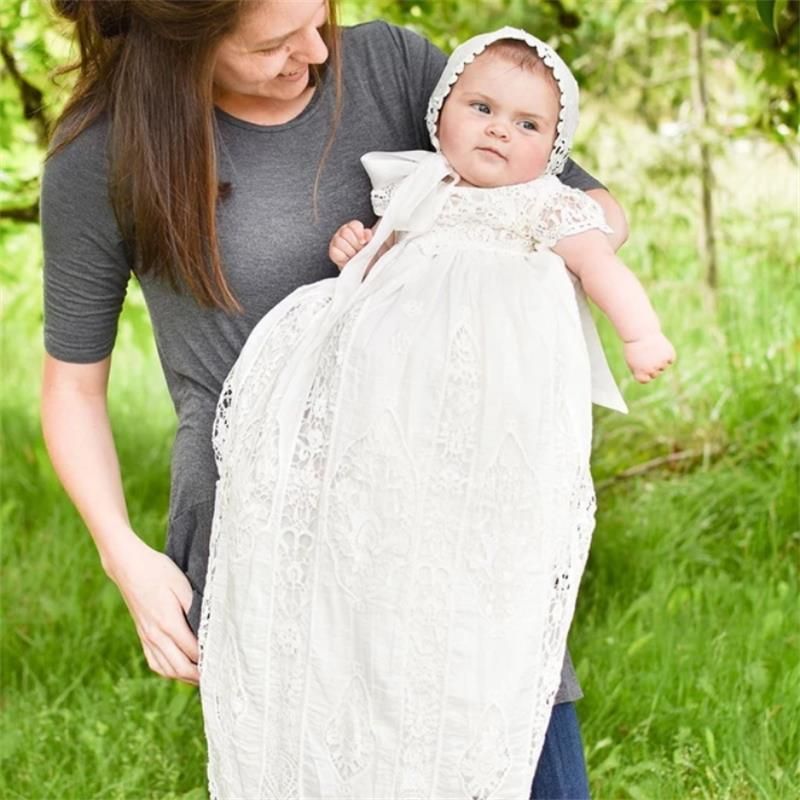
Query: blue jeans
(561, 771)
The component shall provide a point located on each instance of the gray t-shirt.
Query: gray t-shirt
(270, 239)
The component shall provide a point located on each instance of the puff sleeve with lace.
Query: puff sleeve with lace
(557, 211)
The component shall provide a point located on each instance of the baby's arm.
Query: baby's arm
(617, 291)
(350, 239)
(347, 241)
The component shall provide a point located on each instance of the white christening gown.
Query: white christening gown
(403, 514)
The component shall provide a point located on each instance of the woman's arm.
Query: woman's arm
(615, 216)
(617, 291)
(78, 435)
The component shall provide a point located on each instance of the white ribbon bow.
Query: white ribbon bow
(426, 180)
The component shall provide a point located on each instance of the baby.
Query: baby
(405, 507)
(497, 128)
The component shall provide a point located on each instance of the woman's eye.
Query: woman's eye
(527, 125)
(481, 107)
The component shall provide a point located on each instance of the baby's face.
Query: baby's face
(498, 123)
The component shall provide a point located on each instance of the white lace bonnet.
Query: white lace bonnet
(568, 88)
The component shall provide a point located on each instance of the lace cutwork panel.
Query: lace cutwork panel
(295, 560)
(565, 212)
(370, 508)
(571, 523)
(442, 523)
(506, 530)
(539, 212)
(244, 439)
(349, 736)
(488, 758)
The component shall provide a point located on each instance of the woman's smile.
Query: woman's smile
(296, 75)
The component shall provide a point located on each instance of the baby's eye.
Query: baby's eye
(481, 107)
(527, 125)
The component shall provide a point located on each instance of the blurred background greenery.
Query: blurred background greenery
(686, 636)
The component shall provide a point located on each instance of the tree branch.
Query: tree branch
(662, 461)
(21, 213)
(31, 96)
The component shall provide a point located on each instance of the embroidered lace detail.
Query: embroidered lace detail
(488, 758)
(572, 525)
(243, 445)
(267, 353)
(228, 710)
(529, 216)
(506, 540)
(564, 213)
(297, 545)
(380, 198)
(245, 439)
(370, 523)
(349, 737)
(281, 781)
(442, 526)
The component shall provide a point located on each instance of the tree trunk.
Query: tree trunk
(708, 242)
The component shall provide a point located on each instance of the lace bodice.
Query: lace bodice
(536, 214)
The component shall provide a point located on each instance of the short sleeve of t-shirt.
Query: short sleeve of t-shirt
(576, 177)
(86, 270)
(423, 63)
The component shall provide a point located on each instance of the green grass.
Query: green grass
(686, 636)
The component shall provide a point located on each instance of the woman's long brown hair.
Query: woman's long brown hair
(148, 65)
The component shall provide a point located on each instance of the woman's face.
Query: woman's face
(269, 54)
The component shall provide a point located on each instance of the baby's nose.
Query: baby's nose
(498, 130)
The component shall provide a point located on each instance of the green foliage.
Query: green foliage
(637, 54)
(686, 637)
(31, 48)
(771, 13)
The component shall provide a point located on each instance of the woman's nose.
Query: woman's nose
(310, 47)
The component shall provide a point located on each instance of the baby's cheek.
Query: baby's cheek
(537, 162)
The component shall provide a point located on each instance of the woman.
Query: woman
(214, 147)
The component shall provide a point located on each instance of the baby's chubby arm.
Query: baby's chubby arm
(617, 291)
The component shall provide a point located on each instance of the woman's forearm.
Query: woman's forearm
(78, 435)
(77, 432)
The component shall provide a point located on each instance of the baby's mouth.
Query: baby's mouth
(492, 151)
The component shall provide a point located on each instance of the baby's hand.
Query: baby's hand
(649, 356)
(347, 241)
